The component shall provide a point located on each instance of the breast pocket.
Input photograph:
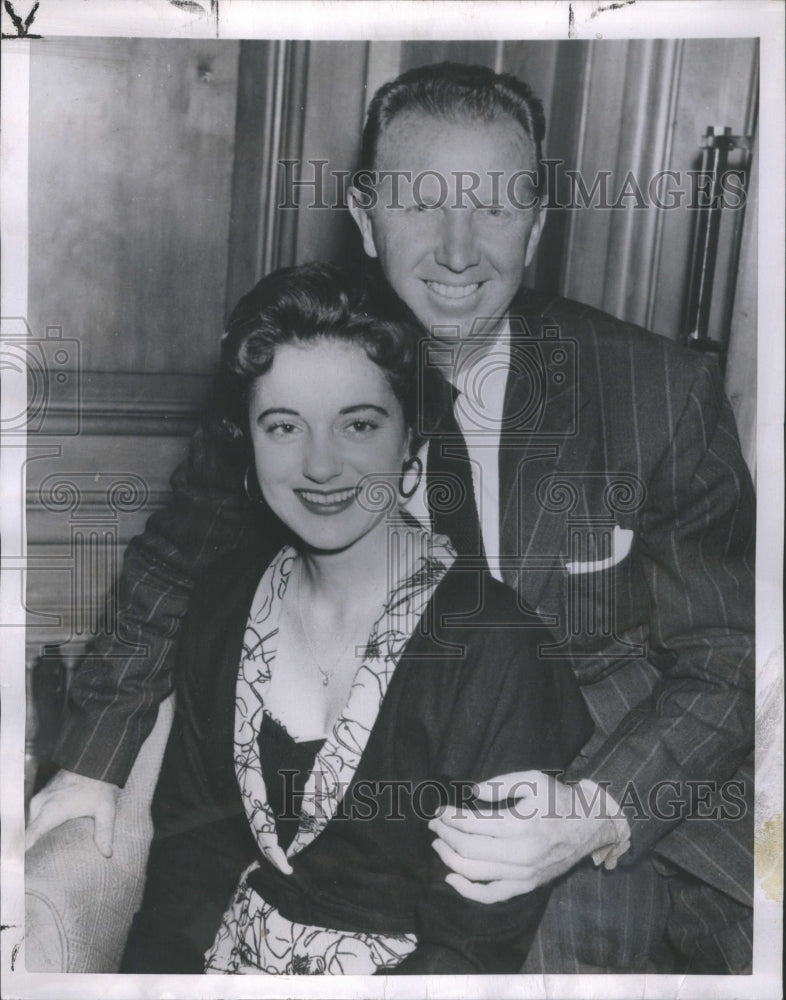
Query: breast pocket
(603, 609)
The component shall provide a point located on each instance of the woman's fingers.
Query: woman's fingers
(276, 857)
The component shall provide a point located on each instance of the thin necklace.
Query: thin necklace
(325, 673)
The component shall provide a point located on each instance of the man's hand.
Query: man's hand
(547, 827)
(70, 796)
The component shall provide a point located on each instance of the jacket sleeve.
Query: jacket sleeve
(696, 546)
(514, 714)
(114, 695)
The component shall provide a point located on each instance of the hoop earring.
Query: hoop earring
(411, 463)
(247, 489)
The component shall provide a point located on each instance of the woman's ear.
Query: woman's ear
(411, 469)
(362, 217)
(410, 441)
(412, 445)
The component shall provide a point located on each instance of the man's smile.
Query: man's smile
(453, 291)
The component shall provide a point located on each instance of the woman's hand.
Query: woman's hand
(548, 827)
(71, 796)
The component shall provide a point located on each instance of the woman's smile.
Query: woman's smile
(327, 501)
(324, 418)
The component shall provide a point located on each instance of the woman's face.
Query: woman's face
(322, 418)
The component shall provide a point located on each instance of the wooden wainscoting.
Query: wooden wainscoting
(92, 480)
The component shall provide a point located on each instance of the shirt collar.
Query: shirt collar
(481, 381)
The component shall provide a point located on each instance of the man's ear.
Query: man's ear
(535, 233)
(362, 219)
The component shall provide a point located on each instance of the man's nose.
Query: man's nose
(322, 459)
(457, 248)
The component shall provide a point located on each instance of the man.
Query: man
(607, 482)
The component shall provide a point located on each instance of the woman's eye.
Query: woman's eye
(362, 426)
(281, 429)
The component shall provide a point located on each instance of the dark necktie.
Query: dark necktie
(449, 491)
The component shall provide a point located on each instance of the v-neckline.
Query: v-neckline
(339, 757)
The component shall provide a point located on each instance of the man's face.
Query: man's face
(454, 243)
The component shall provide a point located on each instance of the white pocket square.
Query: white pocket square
(622, 539)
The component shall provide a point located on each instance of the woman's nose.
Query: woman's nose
(322, 459)
(457, 248)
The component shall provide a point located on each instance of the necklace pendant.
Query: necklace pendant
(325, 678)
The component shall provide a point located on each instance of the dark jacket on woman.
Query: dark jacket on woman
(469, 699)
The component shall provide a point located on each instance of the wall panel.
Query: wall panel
(130, 166)
(131, 155)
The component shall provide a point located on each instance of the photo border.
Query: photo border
(365, 19)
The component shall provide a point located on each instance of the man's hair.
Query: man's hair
(452, 91)
(303, 305)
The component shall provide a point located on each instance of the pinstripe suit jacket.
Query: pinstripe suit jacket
(627, 429)
(608, 423)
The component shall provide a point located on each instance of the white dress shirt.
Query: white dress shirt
(480, 377)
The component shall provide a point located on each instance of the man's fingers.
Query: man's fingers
(104, 827)
(489, 892)
(34, 832)
(476, 846)
(72, 796)
(476, 871)
(44, 821)
(45, 798)
(481, 822)
(516, 785)
(34, 809)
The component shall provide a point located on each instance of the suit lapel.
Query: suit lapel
(539, 448)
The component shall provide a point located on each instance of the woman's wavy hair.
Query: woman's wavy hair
(302, 305)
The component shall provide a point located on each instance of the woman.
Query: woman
(326, 709)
